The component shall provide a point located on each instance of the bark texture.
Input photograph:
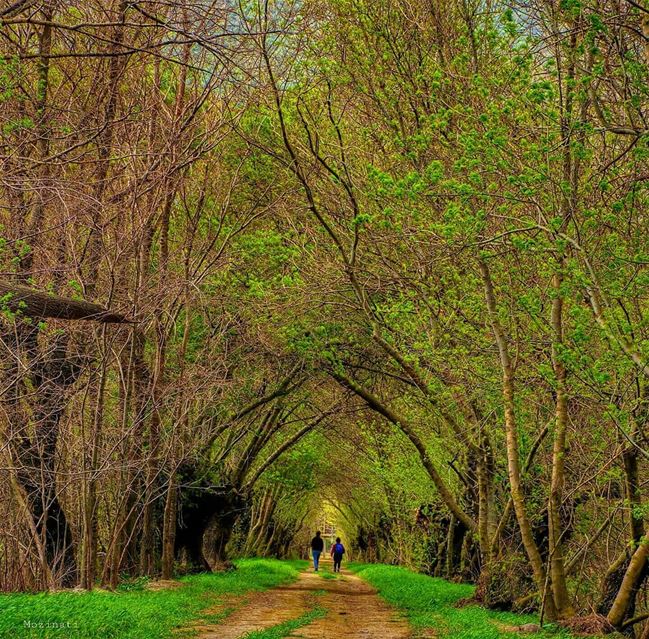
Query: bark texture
(33, 303)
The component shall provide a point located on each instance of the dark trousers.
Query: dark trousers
(337, 559)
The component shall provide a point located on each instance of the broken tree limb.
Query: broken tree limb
(33, 303)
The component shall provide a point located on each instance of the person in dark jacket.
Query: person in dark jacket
(337, 552)
(317, 546)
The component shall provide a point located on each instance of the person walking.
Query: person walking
(337, 552)
(317, 546)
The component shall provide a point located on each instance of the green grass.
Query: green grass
(135, 612)
(285, 629)
(428, 603)
(327, 573)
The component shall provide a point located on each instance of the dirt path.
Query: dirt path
(353, 611)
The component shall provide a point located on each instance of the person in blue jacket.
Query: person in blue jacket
(337, 552)
(317, 546)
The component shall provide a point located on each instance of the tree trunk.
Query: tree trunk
(89, 541)
(560, 594)
(633, 493)
(633, 577)
(618, 576)
(219, 532)
(511, 430)
(454, 542)
(50, 375)
(152, 462)
(169, 528)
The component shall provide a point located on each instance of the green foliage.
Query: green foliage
(409, 146)
(17, 124)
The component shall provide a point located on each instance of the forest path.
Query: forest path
(343, 607)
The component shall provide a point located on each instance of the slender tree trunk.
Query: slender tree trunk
(152, 463)
(511, 432)
(43, 128)
(261, 515)
(632, 482)
(89, 541)
(110, 573)
(484, 502)
(628, 573)
(105, 144)
(169, 527)
(560, 593)
(170, 515)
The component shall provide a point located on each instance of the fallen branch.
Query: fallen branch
(33, 303)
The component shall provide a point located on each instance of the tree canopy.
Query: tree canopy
(376, 264)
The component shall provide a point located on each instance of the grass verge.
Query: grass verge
(428, 603)
(135, 612)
